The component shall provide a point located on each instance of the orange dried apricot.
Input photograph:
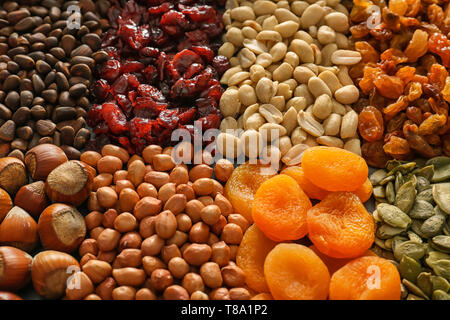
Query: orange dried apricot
(250, 257)
(340, 226)
(366, 278)
(295, 272)
(280, 208)
(262, 296)
(334, 264)
(334, 169)
(240, 189)
(307, 186)
(365, 191)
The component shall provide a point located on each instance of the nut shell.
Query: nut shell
(15, 267)
(32, 198)
(19, 230)
(13, 174)
(42, 159)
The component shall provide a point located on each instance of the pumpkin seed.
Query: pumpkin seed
(409, 248)
(440, 283)
(414, 289)
(386, 180)
(423, 281)
(399, 181)
(393, 216)
(416, 227)
(397, 240)
(390, 192)
(421, 210)
(422, 184)
(380, 200)
(442, 243)
(413, 297)
(409, 268)
(440, 295)
(442, 268)
(395, 166)
(426, 195)
(433, 225)
(425, 172)
(385, 231)
(376, 216)
(380, 242)
(379, 192)
(404, 291)
(414, 237)
(441, 168)
(436, 256)
(406, 194)
(377, 176)
(441, 195)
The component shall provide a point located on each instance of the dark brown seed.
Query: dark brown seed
(37, 37)
(81, 70)
(43, 67)
(87, 6)
(26, 98)
(3, 75)
(61, 81)
(6, 31)
(44, 28)
(83, 50)
(24, 61)
(37, 55)
(12, 67)
(18, 50)
(68, 43)
(83, 102)
(67, 135)
(5, 113)
(19, 144)
(11, 83)
(24, 132)
(71, 152)
(38, 46)
(75, 124)
(7, 130)
(17, 154)
(63, 114)
(51, 42)
(45, 127)
(4, 149)
(63, 68)
(38, 100)
(25, 24)
(77, 91)
(54, 13)
(26, 84)
(21, 116)
(58, 53)
(12, 100)
(10, 6)
(46, 140)
(50, 95)
(56, 32)
(38, 112)
(49, 78)
(77, 80)
(3, 48)
(81, 138)
(92, 25)
(81, 112)
(17, 15)
(34, 140)
(50, 59)
(37, 20)
(38, 84)
(39, 11)
(81, 59)
(92, 40)
(82, 31)
(66, 100)
(57, 138)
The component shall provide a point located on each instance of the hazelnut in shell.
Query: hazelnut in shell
(42, 159)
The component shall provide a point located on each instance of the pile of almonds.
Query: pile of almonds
(157, 229)
(45, 73)
(290, 76)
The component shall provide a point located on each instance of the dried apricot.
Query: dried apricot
(366, 278)
(242, 185)
(307, 186)
(334, 264)
(340, 226)
(279, 208)
(334, 169)
(295, 272)
(365, 191)
(251, 255)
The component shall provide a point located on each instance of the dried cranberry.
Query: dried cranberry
(111, 69)
(221, 64)
(184, 59)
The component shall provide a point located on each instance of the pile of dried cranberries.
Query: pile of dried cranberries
(160, 72)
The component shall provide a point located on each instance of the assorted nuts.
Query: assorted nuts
(290, 74)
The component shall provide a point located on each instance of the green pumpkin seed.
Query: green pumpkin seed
(409, 268)
(399, 181)
(385, 231)
(433, 226)
(424, 282)
(392, 164)
(379, 192)
(440, 295)
(386, 180)
(426, 195)
(405, 197)
(380, 242)
(390, 193)
(422, 184)
(442, 243)
(441, 268)
(397, 240)
(435, 256)
(440, 283)
(380, 200)
(421, 210)
(441, 168)
(388, 255)
(425, 172)
(446, 230)
(420, 162)
(409, 248)
(416, 227)
(376, 216)
(404, 168)
(393, 216)
(414, 289)
(414, 237)
(388, 244)
(441, 195)
(404, 291)
(413, 297)
(377, 176)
